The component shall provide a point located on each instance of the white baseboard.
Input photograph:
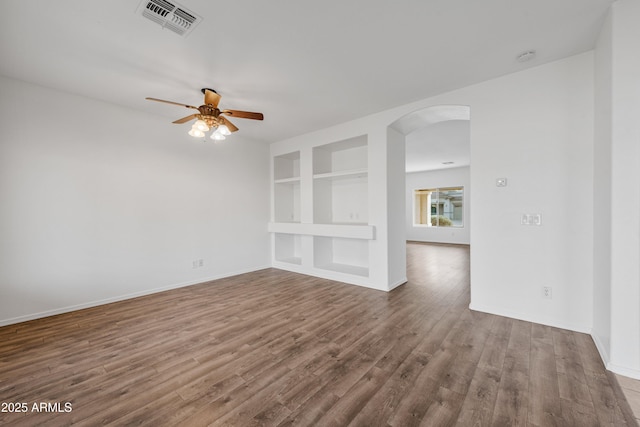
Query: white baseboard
(620, 370)
(585, 329)
(336, 276)
(67, 309)
(326, 274)
(602, 349)
(392, 286)
(625, 372)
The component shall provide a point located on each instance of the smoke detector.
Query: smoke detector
(169, 15)
(526, 56)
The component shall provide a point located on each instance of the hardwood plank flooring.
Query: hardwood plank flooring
(274, 348)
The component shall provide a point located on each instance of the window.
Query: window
(438, 207)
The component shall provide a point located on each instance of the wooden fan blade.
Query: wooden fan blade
(229, 125)
(171, 102)
(211, 97)
(244, 114)
(186, 119)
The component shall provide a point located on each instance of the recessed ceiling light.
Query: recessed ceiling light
(526, 56)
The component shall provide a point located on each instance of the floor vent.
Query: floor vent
(169, 15)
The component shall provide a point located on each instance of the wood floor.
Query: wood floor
(277, 348)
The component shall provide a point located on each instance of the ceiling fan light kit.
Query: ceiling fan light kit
(211, 117)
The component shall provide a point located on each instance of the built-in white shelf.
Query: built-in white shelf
(354, 173)
(351, 231)
(345, 268)
(294, 180)
(291, 260)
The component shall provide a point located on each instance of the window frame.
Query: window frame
(415, 213)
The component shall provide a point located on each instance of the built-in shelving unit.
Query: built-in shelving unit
(329, 182)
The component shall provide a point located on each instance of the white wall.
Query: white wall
(534, 128)
(396, 179)
(101, 202)
(602, 192)
(618, 139)
(451, 177)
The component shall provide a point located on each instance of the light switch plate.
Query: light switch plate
(536, 219)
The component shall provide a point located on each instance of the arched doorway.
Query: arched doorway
(437, 181)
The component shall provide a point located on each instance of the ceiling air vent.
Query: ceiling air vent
(169, 15)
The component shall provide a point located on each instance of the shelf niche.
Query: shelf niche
(340, 184)
(287, 202)
(350, 256)
(287, 248)
(286, 172)
(286, 166)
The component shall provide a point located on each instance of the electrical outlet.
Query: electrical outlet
(200, 262)
(546, 292)
(194, 263)
(525, 219)
(501, 182)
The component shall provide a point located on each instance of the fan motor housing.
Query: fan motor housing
(208, 110)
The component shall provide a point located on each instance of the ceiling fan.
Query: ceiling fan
(209, 116)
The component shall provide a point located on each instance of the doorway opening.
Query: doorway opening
(437, 174)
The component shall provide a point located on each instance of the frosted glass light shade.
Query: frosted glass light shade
(196, 133)
(217, 136)
(201, 125)
(224, 130)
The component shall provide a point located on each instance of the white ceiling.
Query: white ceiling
(436, 137)
(446, 141)
(305, 65)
